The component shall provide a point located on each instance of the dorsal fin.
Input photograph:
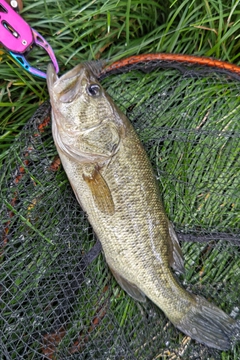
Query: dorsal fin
(175, 257)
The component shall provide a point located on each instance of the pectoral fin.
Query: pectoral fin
(100, 191)
(175, 256)
(129, 287)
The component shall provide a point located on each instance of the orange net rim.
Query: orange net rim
(161, 58)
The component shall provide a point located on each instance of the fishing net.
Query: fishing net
(58, 297)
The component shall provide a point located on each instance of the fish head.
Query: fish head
(85, 121)
(76, 97)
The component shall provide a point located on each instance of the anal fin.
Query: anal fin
(130, 288)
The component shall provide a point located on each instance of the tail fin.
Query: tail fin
(209, 325)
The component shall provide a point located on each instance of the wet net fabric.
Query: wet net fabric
(58, 297)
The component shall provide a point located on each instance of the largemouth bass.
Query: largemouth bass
(114, 183)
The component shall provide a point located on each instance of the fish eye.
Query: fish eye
(94, 90)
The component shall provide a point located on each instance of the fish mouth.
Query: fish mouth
(51, 76)
(68, 86)
(93, 67)
(71, 84)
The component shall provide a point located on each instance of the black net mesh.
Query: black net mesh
(58, 298)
